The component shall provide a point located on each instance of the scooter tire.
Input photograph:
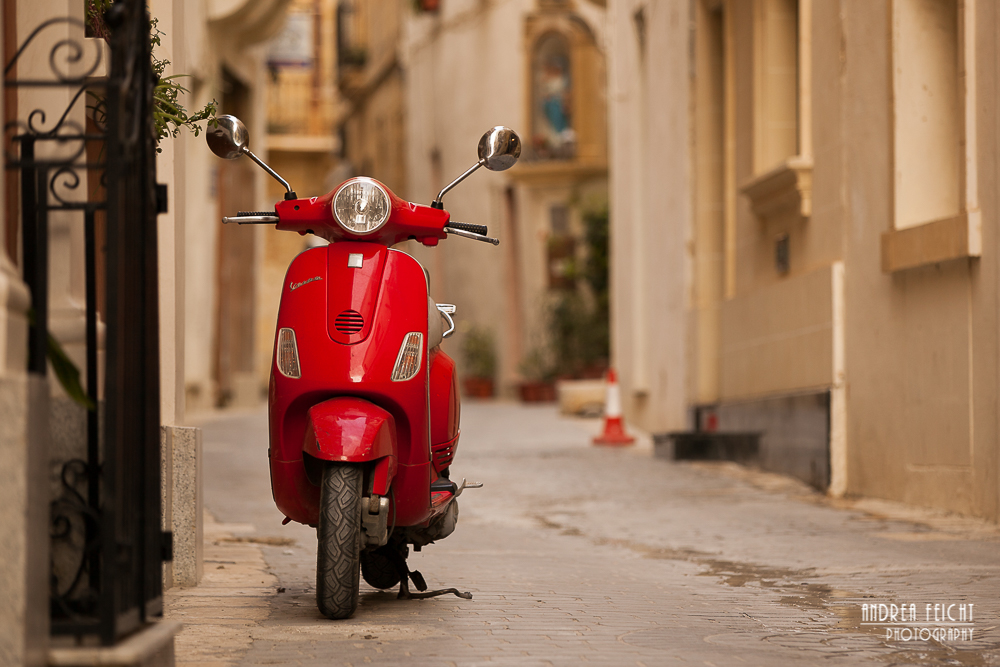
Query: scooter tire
(339, 533)
(378, 570)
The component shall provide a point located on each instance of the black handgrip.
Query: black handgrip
(249, 214)
(468, 227)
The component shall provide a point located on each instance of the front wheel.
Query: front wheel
(339, 533)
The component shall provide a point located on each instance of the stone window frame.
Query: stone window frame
(782, 186)
(958, 233)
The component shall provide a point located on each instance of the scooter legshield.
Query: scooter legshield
(356, 366)
(349, 429)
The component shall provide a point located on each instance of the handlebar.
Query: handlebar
(470, 231)
(469, 227)
(252, 218)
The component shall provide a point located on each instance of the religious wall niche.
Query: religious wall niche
(566, 97)
(552, 134)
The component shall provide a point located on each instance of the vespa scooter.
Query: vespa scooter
(363, 403)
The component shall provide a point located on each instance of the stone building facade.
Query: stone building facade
(805, 222)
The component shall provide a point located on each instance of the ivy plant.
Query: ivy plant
(170, 115)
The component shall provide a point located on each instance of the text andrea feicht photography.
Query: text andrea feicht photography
(937, 621)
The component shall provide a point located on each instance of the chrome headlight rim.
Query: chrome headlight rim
(370, 181)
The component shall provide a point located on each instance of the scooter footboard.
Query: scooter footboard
(349, 429)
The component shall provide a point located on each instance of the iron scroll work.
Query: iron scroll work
(95, 156)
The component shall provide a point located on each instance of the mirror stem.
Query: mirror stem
(289, 194)
(437, 202)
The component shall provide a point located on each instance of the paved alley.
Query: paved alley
(583, 555)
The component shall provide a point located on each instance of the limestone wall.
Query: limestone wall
(855, 256)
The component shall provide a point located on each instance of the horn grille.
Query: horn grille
(349, 322)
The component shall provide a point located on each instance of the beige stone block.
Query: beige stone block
(23, 552)
(952, 238)
(152, 646)
(166, 497)
(183, 504)
(187, 506)
(581, 396)
(13, 533)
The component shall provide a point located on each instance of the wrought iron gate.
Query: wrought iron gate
(113, 493)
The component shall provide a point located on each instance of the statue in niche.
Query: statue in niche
(552, 127)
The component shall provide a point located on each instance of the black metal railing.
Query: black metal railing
(111, 496)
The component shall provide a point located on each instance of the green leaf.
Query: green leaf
(66, 371)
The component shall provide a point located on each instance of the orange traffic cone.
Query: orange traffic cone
(614, 430)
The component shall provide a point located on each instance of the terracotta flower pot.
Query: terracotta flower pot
(537, 392)
(477, 387)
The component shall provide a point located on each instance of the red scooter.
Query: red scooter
(363, 403)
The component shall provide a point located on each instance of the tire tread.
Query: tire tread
(337, 556)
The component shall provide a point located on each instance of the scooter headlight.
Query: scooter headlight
(361, 205)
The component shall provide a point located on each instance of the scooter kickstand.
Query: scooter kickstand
(418, 580)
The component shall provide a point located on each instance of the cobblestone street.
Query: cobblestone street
(582, 555)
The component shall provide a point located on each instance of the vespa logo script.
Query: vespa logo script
(294, 286)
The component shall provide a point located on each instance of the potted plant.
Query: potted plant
(539, 377)
(479, 354)
(577, 316)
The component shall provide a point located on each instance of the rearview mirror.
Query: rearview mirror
(499, 148)
(228, 138)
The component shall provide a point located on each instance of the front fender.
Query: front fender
(350, 429)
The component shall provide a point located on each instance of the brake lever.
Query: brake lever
(251, 220)
(470, 235)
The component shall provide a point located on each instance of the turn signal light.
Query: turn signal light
(288, 354)
(408, 361)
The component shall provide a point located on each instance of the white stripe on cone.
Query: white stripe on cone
(613, 404)
(614, 429)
